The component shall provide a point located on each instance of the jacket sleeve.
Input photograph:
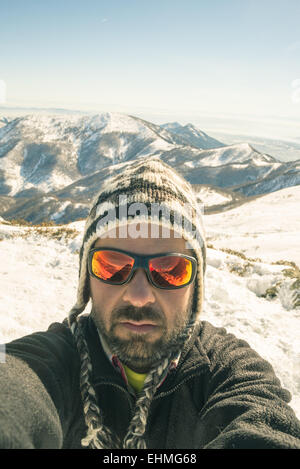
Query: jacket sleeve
(245, 405)
(37, 390)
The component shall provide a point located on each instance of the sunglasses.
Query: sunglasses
(167, 271)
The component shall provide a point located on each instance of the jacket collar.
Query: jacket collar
(114, 360)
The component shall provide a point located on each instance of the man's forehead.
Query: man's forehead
(144, 239)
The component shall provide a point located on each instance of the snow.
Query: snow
(267, 227)
(238, 153)
(57, 215)
(116, 121)
(38, 280)
(190, 164)
(210, 197)
(37, 285)
(155, 147)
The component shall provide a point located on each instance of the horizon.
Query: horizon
(215, 126)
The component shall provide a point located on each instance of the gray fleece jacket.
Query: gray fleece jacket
(222, 395)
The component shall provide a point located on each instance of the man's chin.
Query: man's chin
(140, 352)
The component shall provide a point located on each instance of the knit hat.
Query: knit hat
(146, 192)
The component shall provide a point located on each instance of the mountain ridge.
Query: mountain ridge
(51, 165)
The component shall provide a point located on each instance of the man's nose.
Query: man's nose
(139, 291)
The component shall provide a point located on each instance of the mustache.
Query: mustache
(138, 314)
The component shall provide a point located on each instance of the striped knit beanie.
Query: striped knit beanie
(145, 191)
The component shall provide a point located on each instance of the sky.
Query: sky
(228, 65)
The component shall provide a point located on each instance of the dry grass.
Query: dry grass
(22, 222)
(47, 229)
(294, 274)
(235, 253)
(281, 262)
(19, 222)
(55, 233)
(241, 269)
(273, 291)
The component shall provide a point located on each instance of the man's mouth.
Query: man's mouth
(141, 327)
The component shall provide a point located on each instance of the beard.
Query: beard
(138, 352)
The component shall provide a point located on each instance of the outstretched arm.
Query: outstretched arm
(245, 404)
(28, 416)
(37, 390)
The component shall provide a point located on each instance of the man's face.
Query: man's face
(141, 323)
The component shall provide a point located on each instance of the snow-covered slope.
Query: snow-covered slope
(228, 167)
(267, 227)
(252, 299)
(284, 150)
(47, 152)
(210, 197)
(239, 153)
(279, 177)
(192, 135)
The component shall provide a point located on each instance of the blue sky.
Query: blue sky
(224, 63)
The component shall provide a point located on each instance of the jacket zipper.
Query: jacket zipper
(166, 393)
(123, 390)
(163, 394)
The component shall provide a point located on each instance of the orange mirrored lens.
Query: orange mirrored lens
(111, 265)
(169, 271)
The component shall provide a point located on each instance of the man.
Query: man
(141, 370)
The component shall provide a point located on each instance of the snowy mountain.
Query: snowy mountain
(52, 165)
(284, 150)
(43, 152)
(193, 136)
(279, 177)
(241, 159)
(238, 153)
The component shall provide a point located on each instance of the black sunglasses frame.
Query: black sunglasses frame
(142, 262)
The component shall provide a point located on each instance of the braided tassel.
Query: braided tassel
(98, 436)
(134, 437)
